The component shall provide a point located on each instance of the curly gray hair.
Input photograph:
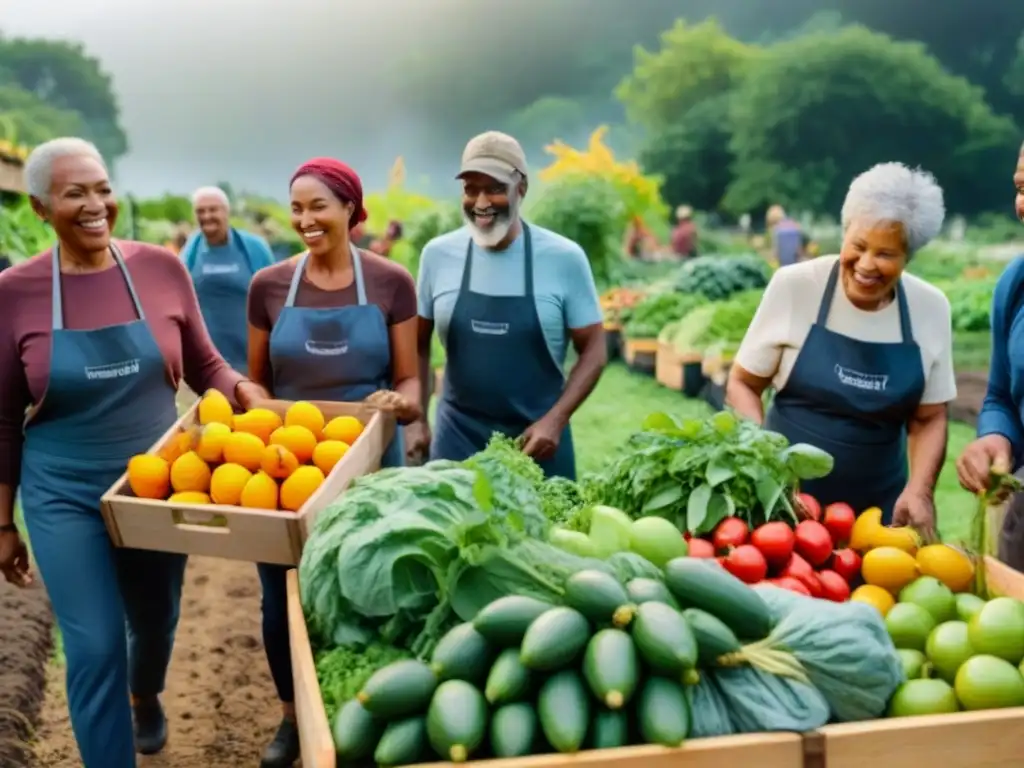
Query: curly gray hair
(40, 162)
(895, 193)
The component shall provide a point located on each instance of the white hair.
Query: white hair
(892, 192)
(40, 162)
(215, 192)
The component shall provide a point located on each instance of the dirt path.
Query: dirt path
(220, 700)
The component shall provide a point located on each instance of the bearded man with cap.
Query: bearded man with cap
(507, 299)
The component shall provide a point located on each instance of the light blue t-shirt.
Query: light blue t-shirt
(563, 285)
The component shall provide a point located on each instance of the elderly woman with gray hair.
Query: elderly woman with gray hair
(99, 335)
(860, 353)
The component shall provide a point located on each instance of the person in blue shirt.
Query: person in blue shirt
(222, 261)
(1000, 443)
(507, 299)
(787, 237)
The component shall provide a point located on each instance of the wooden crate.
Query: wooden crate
(768, 750)
(253, 535)
(988, 739)
(12, 176)
(612, 340)
(641, 355)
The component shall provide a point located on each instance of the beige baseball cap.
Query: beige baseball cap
(495, 154)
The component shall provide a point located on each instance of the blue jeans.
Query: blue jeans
(274, 581)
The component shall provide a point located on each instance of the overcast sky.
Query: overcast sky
(244, 91)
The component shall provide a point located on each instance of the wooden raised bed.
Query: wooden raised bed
(681, 372)
(988, 739)
(641, 355)
(12, 175)
(613, 339)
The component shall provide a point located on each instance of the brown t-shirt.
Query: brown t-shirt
(388, 285)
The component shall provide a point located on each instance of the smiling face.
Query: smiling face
(318, 216)
(1018, 182)
(489, 207)
(82, 209)
(212, 217)
(871, 261)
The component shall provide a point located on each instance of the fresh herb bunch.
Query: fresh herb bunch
(652, 314)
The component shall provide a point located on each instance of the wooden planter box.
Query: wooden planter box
(768, 750)
(12, 176)
(641, 355)
(964, 740)
(237, 533)
(678, 371)
(613, 340)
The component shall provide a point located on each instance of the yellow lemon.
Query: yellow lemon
(347, 429)
(950, 566)
(328, 453)
(889, 568)
(260, 492)
(149, 476)
(210, 446)
(259, 421)
(876, 596)
(228, 482)
(303, 414)
(214, 407)
(297, 439)
(245, 449)
(190, 473)
(278, 461)
(189, 497)
(296, 490)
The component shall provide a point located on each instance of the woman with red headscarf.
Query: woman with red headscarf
(332, 323)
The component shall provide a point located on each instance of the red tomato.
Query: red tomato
(775, 540)
(799, 569)
(810, 504)
(813, 542)
(839, 519)
(833, 586)
(793, 585)
(731, 532)
(701, 548)
(846, 563)
(747, 564)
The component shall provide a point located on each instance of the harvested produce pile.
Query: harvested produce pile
(720, 325)
(255, 459)
(646, 319)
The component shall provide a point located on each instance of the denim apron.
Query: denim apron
(221, 275)
(108, 399)
(499, 375)
(337, 353)
(853, 399)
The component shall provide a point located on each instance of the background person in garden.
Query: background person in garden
(107, 331)
(860, 352)
(787, 237)
(1000, 443)
(684, 234)
(507, 298)
(333, 323)
(222, 261)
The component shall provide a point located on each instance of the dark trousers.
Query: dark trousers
(275, 628)
(1011, 539)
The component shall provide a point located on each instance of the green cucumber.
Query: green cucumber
(400, 689)
(508, 680)
(404, 742)
(611, 667)
(462, 654)
(356, 731)
(642, 590)
(662, 712)
(609, 729)
(665, 641)
(704, 584)
(555, 639)
(504, 621)
(514, 730)
(714, 638)
(600, 597)
(456, 720)
(563, 708)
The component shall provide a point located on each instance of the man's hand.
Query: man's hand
(916, 508)
(980, 458)
(14, 564)
(249, 393)
(395, 403)
(540, 440)
(417, 441)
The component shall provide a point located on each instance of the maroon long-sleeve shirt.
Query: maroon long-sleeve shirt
(95, 300)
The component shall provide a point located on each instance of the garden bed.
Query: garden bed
(970, 394)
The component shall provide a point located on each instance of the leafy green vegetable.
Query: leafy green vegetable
(559, 499)
(719, 277)
(970, 303)
(646, 319)
(342, 672)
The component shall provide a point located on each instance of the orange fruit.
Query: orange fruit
(190, 473)
(876, 596)
(278, 461)
(950, 566)
(245, 449)
(149, 476)
(228, 482)
(328, 453)
(347, 429)
(189, 497)
(296, 490)
(260, 492)
(214, 407)
(304, 414)
(210, 445)
(259, 421)
(889, 568)
(180, 444)
(298, 439)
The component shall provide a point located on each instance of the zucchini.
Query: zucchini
(554, 640)
(662, 712)
(609, 729)
(600, 597)
(356, 731)
(704, 584)
(563, 708)
(714, 638)
(508, 680)
(504, 621)
(404, 742)
(611, 667)
(514, 730)
(401, 689)
(665, 642)
(462, 654)
(642, 590)
(456, 720)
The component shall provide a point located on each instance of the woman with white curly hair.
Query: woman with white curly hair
(860, 353)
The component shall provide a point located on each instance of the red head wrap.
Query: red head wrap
(340, 179)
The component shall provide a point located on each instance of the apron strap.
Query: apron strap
(293, 288)
(57, 313)
(357, 272)
(830, 292)
(527, 263)
(905, 327)
(901, 298)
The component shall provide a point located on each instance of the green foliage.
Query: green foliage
(35, 121)
(970, 304)
(22, 233)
